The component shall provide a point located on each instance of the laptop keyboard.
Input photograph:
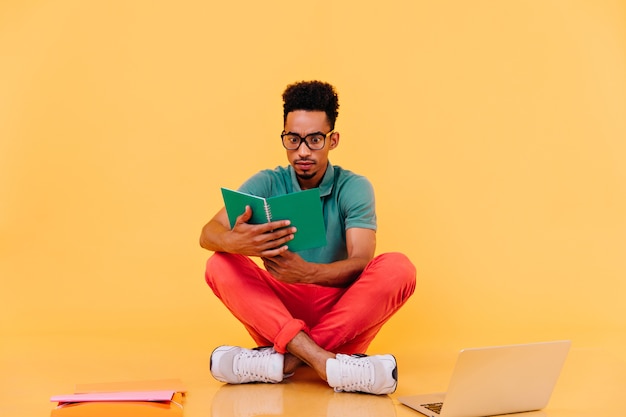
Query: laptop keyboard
(434, 407)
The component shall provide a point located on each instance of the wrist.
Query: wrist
(314, 274)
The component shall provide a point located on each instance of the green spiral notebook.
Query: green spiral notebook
(302, 208)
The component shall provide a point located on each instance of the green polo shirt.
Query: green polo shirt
(347, 202)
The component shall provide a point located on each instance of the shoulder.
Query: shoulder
(353, 190)
(266, 182)
(355, 199)
(271, 174)
(346, 179)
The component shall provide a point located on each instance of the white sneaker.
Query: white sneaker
(235, 365)
(360, 373)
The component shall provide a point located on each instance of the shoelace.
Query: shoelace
(253, 363)
(357, 372)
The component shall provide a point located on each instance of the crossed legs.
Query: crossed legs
(308, 323)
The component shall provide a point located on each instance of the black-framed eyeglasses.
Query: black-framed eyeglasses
(314, 141)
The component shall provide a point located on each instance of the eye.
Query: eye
(316, 139)
(292, 139)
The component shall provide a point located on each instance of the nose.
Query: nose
(303, 149)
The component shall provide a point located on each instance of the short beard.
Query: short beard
(305, 176)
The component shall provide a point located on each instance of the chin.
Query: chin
(305, 176)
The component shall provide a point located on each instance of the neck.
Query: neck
(308, 182)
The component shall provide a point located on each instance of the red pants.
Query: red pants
(340, 320)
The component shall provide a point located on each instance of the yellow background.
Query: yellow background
(494, 133)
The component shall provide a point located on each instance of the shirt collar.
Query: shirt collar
(326, 186)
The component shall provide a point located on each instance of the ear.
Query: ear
(334, 140)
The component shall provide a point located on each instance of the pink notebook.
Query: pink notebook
(163, 395)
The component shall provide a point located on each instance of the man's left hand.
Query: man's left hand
(289, 267)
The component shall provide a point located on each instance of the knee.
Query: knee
(229, 269)
(400, 264)
(400, 273)
(215, 261)
(216, 265)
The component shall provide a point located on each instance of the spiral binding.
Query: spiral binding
(268, 211)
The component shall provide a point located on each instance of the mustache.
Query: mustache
(304, 160)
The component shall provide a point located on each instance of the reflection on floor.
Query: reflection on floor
(304, 394)
(35, 367)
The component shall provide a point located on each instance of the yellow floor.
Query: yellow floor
(33, 368)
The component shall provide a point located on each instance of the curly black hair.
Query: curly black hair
(311, 95)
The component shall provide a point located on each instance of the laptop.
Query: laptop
(497, 380)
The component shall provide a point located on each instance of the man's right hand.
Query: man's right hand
(263, 240)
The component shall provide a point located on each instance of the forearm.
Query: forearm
(214, 237)
(337, 274)
(361, 247)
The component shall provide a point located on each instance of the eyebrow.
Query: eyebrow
(308, 134)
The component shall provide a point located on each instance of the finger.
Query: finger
(275, 226)
(287, 232)
(271, 253)
(245, 216)
(267, 263)
(275, 243)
